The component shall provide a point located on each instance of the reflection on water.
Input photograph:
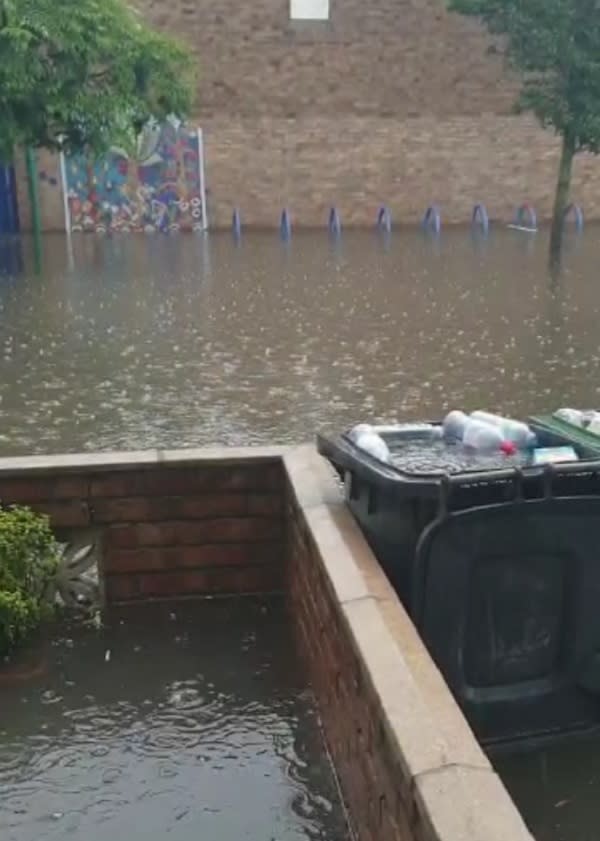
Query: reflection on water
(135, 342)
(557, 789)
(195, 725)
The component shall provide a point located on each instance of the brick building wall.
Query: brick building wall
(382, 58)
(390, 101)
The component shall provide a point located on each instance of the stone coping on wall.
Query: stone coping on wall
(107, 460)
(455, 793)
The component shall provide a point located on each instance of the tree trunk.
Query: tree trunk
(561, 197)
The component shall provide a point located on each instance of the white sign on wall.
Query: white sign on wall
(309, 9)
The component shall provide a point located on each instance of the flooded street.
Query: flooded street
(178, 722)
(131, 343)
(178, 341)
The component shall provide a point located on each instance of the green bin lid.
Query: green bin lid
(566, 430)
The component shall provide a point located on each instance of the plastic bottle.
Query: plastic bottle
(573, 416)
(454, 425)
(374, 445)
(358, 430)
(512, 430)
(482, 436)
(594, 424)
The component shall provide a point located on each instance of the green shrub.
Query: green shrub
(29, 556)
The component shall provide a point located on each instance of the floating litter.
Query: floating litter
(522, 228)
(525, 219)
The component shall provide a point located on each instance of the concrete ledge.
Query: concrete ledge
(467, 804)
(114, 461)
(440, 781)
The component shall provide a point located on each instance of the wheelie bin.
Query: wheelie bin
(500, 572)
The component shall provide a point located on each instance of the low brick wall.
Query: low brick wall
(408, 764)
(170, 524)
(262, 520)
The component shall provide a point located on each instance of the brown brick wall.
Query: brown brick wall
(408, 765)
(392, 101)
(378, 796)
(50, 192)
(400, 58)
(171, 531)
(357, 743)
(358, 163)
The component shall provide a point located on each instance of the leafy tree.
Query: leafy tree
(78, 74)
(555, 44)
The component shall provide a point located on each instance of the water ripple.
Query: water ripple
(99, 749)
(151, 351)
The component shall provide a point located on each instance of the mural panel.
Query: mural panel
(157, 188)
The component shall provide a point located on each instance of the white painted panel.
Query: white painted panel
(309, 9)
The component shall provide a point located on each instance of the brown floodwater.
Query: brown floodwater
(161, 341)
(168, 723)
(133, 342)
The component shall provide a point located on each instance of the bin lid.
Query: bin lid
(556, 426)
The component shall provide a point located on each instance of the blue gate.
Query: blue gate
(9, 210)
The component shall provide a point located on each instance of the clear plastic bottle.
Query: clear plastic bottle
(482, 436)
(371, 443)
(454, 425)
(594, 424)
(358, 430)
(512, 430)
(573, 416)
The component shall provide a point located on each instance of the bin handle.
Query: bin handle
(553, 471)
(548, 480)
(589, 679)
(448, 482)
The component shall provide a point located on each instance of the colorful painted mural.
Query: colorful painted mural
(159, 188)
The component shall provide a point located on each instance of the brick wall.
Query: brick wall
(400, 58)
(358, 163)
(49, 188)
(169, 530)
(408, 765)
(392, 101)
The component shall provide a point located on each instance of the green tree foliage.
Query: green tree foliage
(84, 74)
(555, 45)
(29, 557)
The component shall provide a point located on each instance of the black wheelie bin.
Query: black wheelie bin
(500, 571)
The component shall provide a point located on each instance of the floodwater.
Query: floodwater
(134, 342)
(130, 342)
(182, 724)
(557, 788)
